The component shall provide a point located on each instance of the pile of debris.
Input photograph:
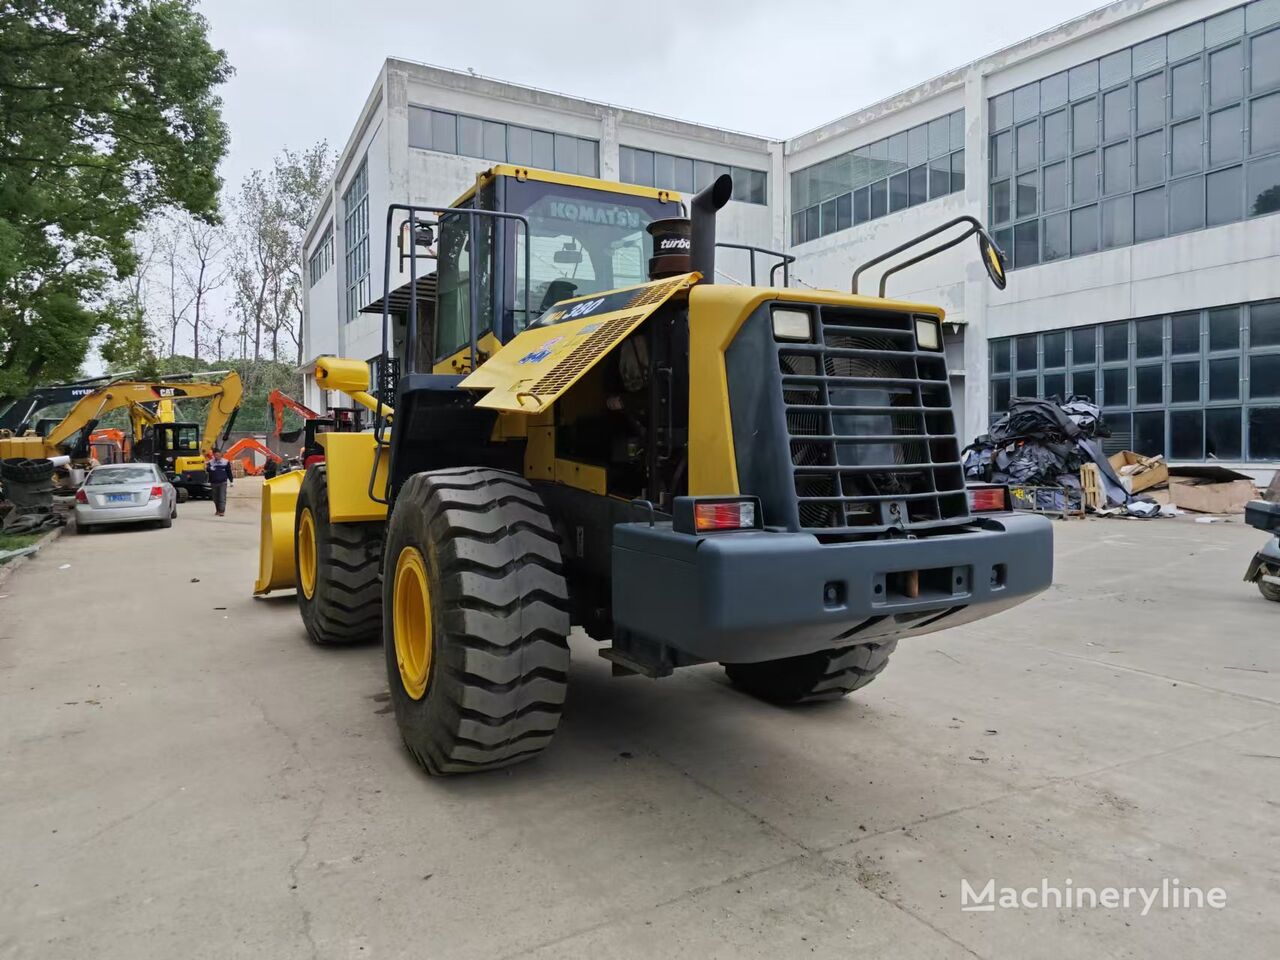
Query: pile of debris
(27, 486)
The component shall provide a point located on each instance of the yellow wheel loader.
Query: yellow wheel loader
(589, 431)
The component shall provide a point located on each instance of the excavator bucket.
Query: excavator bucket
(275, 559)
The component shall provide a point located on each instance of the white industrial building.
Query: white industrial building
(1128, 162)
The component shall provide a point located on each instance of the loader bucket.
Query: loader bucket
(275, 548)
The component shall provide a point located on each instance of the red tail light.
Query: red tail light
(81, 496)
(988, 499)
(157, 493)
(738, 515)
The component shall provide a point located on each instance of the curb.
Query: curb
(7, 570)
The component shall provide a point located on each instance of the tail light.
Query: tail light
(81, 496)
(740, 515)
(157, 493)
(988, 499)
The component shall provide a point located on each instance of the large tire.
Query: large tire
(23, 470)
(341, 602)
(1269, 590)
(476, 619)
(825, 675)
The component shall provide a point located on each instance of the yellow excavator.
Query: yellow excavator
(589, 431)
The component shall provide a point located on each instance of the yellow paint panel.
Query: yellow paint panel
(349, 458)
(535, 369)
(584, 476)
(275, 544)
(32, 447)
(460, 362)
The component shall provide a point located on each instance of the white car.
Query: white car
(125, 493)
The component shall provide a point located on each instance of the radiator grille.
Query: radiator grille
(870, 427)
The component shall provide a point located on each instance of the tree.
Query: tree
(107, 114)
(204, 271)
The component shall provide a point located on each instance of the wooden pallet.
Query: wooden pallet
(1091, 484)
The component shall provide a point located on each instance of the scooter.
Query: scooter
(1265, 568)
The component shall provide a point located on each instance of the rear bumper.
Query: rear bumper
(87, 516)
(749, 596)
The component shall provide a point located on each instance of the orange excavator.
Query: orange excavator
(244, 448)
(336, 420)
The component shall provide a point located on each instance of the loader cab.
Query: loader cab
(164, 443)
(585, 236)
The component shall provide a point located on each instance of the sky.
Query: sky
(305, 67)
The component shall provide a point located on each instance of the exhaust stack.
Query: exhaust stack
(702, 214)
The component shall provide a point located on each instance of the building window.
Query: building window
(904, 170)
(1180, 132)
(1203, 384)
(649, 168)
(355, 232)
(321, 258)
(446, 132)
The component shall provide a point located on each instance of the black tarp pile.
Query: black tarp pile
(1043, 443)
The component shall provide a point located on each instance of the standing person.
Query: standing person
(219, 470)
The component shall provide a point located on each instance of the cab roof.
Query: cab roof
(567, 179)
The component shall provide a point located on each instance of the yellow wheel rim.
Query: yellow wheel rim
(307, 554)
(411, 622)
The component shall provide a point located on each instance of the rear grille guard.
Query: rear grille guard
(870, 429)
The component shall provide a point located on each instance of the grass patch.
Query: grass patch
(17, 541)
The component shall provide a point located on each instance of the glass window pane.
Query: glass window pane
(704, 173)
(1055, 135)
(1000, 202)
(643, 167)
(1003, 240)
(1148, 56)
(898, 152)
(1000, 355)
(1224, 378)
(1083, 80)
(664, 172)
(939, 177)
(1120, 423)
(543, 150)
(1026, 102)
(1000, 395)
(495, 141)
(1184, 333)
(1224, 196)
(1084, 383)
(1115, 386)
(1185, 42)
(1264, 433)
(957, 171)
(917, 144)
(567, 155)
(1084, 125)
(1115, 169)
(844, 211)
(1083, 346)
(1055, 233)
(1262, 187)
(1053, 91)
(1226, 75)
(827, 218)
(1117, 222)
(918, 184)
(1114, 69)
(1184, 382)
(899, 192)
(1226, 136)
(519, 145)
(879, 198)
(1054, 347)
(1001, 154)
(1222, 433)
(957, 130)
(588, 158)
(811, 230)
(684, 174)
(420, 128)
(470, 137)
(1224, 328)
(1264, 61)
(1055, 385)
(1028, 387)
(1261, 13)
(1223, 27)
(1054, 196)
(1149, 337)
(1026, 244)
(1264, 325)
(862, 205)
(1148, 433)
(1187, 153)
(939, 137)
(1150, 162)
(1264, 376)
(1148, 385)
(1026, 194)
(1084, 230)
(1115, 341)
(1186, 434)
(1187, 96)
(444, 131)
(1149, 215)
(1028, 144)
(1264, 124)
(1186, 205)
(1115, 114)
(1027, 356)
(797, 228)
(1084, 178)
(1150, 102)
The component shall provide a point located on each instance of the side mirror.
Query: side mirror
(992, 259)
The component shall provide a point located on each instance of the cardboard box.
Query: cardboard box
(1219, 498)
(1155, 473)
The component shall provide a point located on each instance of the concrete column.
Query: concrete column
(976, 285)
(609, 145)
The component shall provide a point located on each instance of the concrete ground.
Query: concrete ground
(184, 776)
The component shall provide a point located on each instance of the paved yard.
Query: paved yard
(183, 776)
